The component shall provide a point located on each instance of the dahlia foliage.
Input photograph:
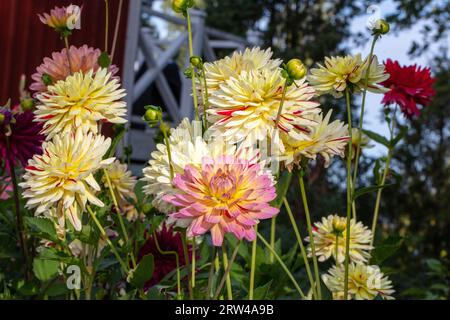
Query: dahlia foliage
(194, 225)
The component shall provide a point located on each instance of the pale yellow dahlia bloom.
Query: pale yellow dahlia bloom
(219, 71)
(187, 148)
(324, 138)
(122, 181)
(364, 282)
(246, 107)
(330, 237)
(342, 72)
(81, 100)
(61, 181)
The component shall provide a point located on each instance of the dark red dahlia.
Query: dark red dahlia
(23, 135)
(409, 86)
(168, 240)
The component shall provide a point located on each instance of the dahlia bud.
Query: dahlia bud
(339, 224)
(296, 69)
(2, 118)
(196, 62)
(188, 72)
(147, 208)
(181, 6)
(152, 115)
(381, 27)
(27, 104)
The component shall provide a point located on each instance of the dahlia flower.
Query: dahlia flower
(57, 67)
(408, 86)
(168, 240)
(121, 180)
(63, 19)
(225, 195)
(63, 177)
(246, 107)
(330, 236)
(220, 71)
(364, 282)
(325, 138)
(80, 101)
(187, 148)
(339, 73)
(23, 135)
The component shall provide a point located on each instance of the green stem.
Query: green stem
(283, 265)
(119, 214)
(111, 245)
(116, 29)
(349, 194)
(273, 227)
(191, 53)
(188, 263)
(177, 260)
(361, 116)
(106, 24)
(169, 154)
(19, 218)
(206, 99)
(302, 247)
(66, 42)
(310, 234)
(227, 267)
(383, 179)
(337, 249)
(193, 267)
(211, 275)
(253, 266)
(280, 108)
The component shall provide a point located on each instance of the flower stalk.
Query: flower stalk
(191, 54)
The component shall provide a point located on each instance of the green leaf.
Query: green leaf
(143, 272)
(44, 226)
(119, 132)
(282, 188)
(45, 270)
(377, 138)
(57, 289)
(104, 60)
(386, 249)
(365, 190)
(262, 292)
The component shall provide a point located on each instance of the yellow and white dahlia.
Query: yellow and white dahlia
(342, 72)
(364, 282)
(61, 181)
(324, 138)
(219, 71)
(246, 107)
(330, 238)
(121, 179)
(187, 148)
(81, 100)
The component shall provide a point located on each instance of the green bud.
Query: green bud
(2, 118)
(381, 27)
(47, 79)
(153, 114)
(181, 6)
(296, 69)
(196, 61)
(188, 72)
(27, 104)
(147, 208)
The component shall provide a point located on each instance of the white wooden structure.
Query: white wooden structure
(142, 46)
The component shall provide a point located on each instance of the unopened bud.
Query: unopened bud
(147, 208)
(381, 27)
(188, 72)
(152, 114)
(196, 61)
(339, 224)
(296, 69)
(181, 6)
(2, 118)
(27, 104)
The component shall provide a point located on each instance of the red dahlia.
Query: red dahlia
(410, 86)
(23, 136)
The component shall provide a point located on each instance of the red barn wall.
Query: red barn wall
(25, 41)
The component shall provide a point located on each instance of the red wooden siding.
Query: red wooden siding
(25, 41)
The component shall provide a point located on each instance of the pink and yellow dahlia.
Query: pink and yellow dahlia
(225, 195)
(57, 67)
(63, 19)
